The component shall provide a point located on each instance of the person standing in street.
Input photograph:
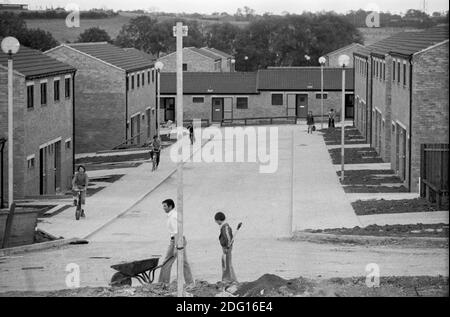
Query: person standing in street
(331, 117)
(226, 242)
(172, 226)
(156, 152)
(310, 122)
(191, 133)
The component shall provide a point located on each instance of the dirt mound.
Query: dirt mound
(265, 284)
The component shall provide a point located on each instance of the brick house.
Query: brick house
(115, 90)
(333, 57)
(401, 91)
(43, 123)
(275, 92)
(199, 60)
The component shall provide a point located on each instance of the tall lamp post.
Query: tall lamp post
(344, 61)
(2, 146)
(158, 66)
(232, 65)
(10, 46)
(322, 61)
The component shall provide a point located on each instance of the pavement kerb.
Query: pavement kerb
(141, 198)
(37, 246)
(325, 237)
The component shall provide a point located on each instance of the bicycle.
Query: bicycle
(79, 211)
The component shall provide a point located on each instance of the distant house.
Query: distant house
(199, 60)
(401, 92)
(12, 7)
(115, 95)
(43, 123)
(275, 92)
(349, 50)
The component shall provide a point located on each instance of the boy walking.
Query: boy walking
(226, 241)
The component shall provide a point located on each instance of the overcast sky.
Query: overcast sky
(230, 6)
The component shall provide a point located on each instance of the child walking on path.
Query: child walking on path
(226, 241)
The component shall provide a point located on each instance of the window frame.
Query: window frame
(198, 97)
(56, 90)
(277, 94)
(240, 99)
(67, 87)
(30, 100)
(44, 92)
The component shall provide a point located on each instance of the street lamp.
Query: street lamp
(233, 62)
(322, 61)
(344, 61)
(158, 66)
(10, 46)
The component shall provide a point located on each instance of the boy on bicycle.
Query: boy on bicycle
(80, 183)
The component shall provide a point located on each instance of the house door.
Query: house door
(169, 106)
(403, 157)
(149, 123)
(397, 149)
(349, 106)
(302, 106)
(42, 171)
(291, 105)
(217, 109)
(135, 129)
(58, 166)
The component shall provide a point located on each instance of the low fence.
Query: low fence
(434, 172)
(259, 121)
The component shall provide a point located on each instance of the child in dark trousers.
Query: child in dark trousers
(226, 241)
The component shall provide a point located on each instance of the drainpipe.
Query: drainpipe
(2, 146)
(410, 119)
(367, 98)
(126, 105)
(371, 100)
(73, 122)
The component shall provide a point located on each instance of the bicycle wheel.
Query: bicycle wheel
(78, 213)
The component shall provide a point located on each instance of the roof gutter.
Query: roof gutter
(73, 122)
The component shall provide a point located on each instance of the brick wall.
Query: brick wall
(259, 105)
(361, 96)
(19, 103)
(100, 101)
(430, 113)
(195, 62)
(140, 99)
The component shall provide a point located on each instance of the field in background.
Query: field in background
(113, 26)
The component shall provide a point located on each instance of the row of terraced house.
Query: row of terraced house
(75, 98)
(401, 97)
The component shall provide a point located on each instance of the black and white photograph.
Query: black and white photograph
(224, 152)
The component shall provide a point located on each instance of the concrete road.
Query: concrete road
(261, 201)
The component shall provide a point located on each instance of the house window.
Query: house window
(148, 77)
(319, 96)
(398, 73)
(138, 81)
(31, 162)
(384, 71)
(43, 94)
(277, 99)
(132, 81)
(143, 79)
(393, 71)
(242, 103)
(30, 96)
(56, 90)
(198, 100)
(67, 87)
(404, 74)
(153, 76)
(185, 68)
(68, 144)
(128, 83)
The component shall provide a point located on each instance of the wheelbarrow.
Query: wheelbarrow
(143, 271)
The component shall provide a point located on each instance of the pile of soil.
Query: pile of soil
(356, 156)
(275, 286)
(376, 207)
(417, 230)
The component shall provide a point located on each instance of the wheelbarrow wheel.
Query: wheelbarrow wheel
(120, 279)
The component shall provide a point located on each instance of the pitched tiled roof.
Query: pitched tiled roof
(357, 46)
(140, 53)
(34, 64)
(409, 43)
(206, 53)
(217, 52)
(128, 61)
(210, 83)
(303, 78)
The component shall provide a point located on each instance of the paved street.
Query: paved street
(261, 201)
